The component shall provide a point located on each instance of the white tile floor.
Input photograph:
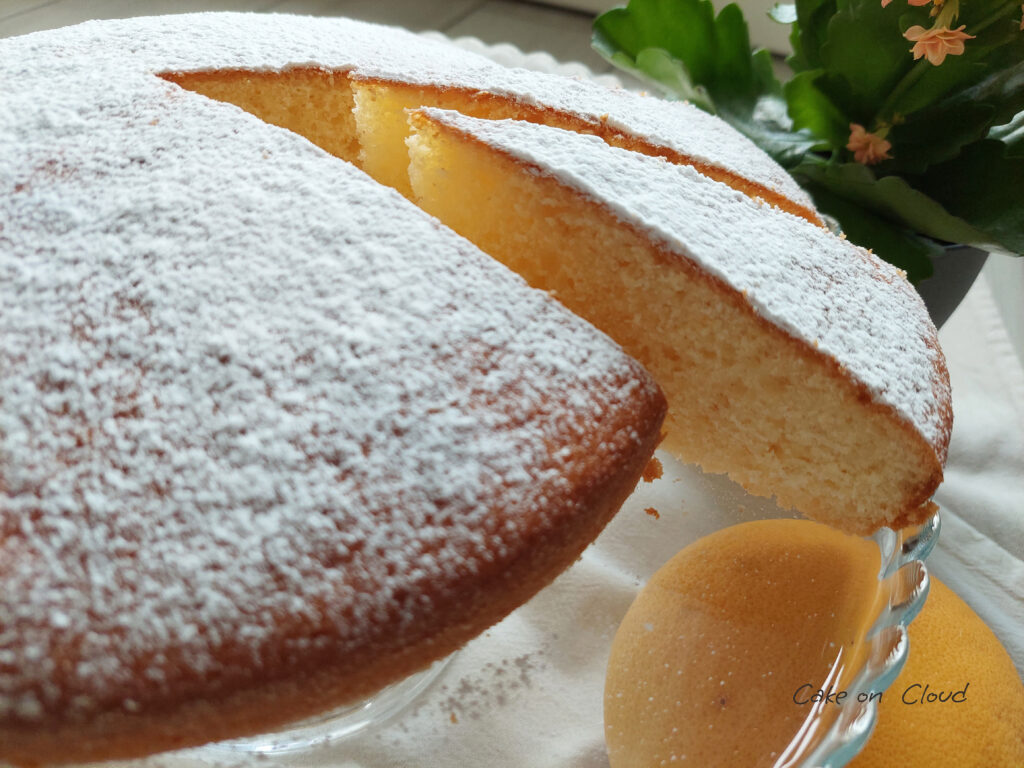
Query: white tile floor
(531, 26)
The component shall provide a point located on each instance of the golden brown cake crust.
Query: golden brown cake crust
(602, 473)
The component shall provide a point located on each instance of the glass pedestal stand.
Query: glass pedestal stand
(337, 724)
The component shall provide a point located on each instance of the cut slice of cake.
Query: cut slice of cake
(796, 362)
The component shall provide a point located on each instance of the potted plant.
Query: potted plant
(903, 119)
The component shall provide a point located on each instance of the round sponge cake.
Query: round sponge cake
(271, 436)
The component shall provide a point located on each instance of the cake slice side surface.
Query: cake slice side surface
(786, 412)
(269, 432)
(312, 102)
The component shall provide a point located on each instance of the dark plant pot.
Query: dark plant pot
(955, 272)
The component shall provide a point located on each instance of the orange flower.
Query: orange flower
(867, 148)
(936, 43)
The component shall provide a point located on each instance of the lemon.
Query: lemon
(951, 650)
(707, 665)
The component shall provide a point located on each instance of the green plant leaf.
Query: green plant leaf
(763, 67)
(935, 135)
(713, 50)
(936, 82)
(1002, 90)
(811, 109)
(864, 57)
(997, 47)
(768, 126)
(938, 132)
(890, 241)
(665, 74)
(721, 76)
(734, 71)
(983, 185)
(809, 33)
(683, 28)
(891, 197)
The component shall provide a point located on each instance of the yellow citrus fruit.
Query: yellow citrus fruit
(951, 650)
(707, 665)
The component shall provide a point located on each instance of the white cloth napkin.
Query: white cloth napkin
(980, 554)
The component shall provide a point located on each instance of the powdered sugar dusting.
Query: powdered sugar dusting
(244, 388)
(266, 42)
(821, 289)
(676, 125)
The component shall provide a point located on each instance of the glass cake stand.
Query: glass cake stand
(337, 724)
(832, 736)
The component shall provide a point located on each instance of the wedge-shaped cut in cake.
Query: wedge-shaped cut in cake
(311, 101)
(270, 436)
(677, 131)
(306, 75)
(796, 362)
